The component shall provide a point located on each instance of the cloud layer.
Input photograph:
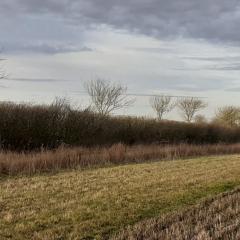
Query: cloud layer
(152, 46)
(216, 20)
(41, 47)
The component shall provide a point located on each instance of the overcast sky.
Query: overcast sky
(176, 47)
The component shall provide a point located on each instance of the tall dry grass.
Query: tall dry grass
(12, 163)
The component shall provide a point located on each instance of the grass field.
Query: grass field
(216, 218)
(97, 203)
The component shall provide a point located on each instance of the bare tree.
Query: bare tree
(162, 105)
(229, 116)
(107, 97)
(189, 107)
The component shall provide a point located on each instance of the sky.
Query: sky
(175, 47)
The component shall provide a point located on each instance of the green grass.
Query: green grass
(95, 203)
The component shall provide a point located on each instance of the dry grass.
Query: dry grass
(94, 203)
(72, 158)
(214, 219)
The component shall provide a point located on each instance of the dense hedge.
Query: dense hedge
(27, 127)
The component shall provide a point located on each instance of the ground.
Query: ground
(214, 219)
(93, 204)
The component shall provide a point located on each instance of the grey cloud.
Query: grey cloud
(213, 59)
(47, 48)
(217, 67)
(236, 89)
(37, 80)
(154, 49)
(196, 86)
(227, 67)
(3, 86)
(228, 63)
(216, 20)
(184, 83)
(37, 33)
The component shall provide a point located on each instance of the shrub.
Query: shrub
(30, 127)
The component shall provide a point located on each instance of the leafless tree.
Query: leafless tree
(162, 105)
(229, 116)
(190, 106)
(107, 97)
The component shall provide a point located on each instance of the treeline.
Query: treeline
(30, 127)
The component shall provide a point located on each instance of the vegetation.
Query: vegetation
(161, 105)
(96, 203)
(200, 119)
(228, 116)
(75, 158)
(29, 127)
(216, 218)
(117, 181)
(189, 107)
(88, 202)
(107, 97)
